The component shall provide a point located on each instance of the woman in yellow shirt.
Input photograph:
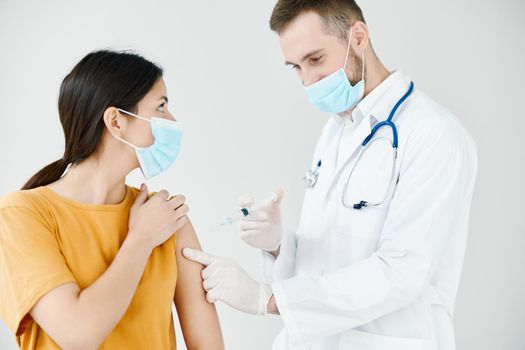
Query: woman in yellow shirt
(86, 261)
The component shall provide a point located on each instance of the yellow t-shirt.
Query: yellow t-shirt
(47, 240)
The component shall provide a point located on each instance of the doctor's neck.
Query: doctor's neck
(375, 74)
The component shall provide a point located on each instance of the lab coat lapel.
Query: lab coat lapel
(328, 154)
(349, 147)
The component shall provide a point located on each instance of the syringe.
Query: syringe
(245, 211)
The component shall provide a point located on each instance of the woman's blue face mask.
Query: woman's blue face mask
(334, 93)
(158, 157)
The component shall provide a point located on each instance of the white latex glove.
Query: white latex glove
(225, 280)
(262, 228)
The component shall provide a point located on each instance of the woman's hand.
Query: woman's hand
(155, 220)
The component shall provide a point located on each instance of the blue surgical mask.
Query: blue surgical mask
(162, 153)
(334, 93)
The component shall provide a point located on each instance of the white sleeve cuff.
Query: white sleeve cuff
(267, 266)
(286, 315)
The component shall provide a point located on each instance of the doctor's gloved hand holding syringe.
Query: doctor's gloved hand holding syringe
(259, 223)
(262, 229)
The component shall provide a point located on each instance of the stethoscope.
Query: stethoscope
(313, 174)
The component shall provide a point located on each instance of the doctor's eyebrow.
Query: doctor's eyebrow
(305, 57)
(165, 98)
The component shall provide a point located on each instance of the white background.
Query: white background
(249, 127)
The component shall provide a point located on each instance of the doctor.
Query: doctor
(376, 260)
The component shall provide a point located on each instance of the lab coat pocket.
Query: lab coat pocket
(354, 339)
(356, 234)
(365, 223)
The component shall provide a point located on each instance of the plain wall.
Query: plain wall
(249, 127)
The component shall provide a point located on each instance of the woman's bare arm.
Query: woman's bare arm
(198, 318)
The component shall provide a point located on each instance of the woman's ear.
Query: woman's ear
(115, 122)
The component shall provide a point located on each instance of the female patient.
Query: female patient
(88, 262)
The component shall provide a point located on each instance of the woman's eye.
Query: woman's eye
(161, 108)
(295, 67)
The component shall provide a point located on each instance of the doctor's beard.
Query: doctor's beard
(355, 65)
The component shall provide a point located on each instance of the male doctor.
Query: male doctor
(376, 260)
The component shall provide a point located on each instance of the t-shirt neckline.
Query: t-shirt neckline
(109, 207)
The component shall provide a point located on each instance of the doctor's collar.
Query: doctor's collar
(377, 104)
(347, 117)
(369, 103)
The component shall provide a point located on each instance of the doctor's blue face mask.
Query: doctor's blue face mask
(162, 153)
(334, 93)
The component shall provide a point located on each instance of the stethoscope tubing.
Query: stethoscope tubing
(312, 175)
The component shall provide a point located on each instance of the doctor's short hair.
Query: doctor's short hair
(338, 15)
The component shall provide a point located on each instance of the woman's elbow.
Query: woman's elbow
(79, 335)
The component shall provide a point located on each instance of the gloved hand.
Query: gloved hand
(225, 280)
(262, 228)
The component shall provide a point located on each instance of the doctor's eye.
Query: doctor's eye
(315, 60)
(295, 67)
(162, 107)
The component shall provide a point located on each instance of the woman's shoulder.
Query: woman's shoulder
(25, 207)
(29, 199)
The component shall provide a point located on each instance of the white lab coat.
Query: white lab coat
(386, 277)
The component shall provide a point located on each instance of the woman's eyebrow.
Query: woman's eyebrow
(165, 98)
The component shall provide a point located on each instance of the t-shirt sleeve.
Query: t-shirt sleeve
(31, 263)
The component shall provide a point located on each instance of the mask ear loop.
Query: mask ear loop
(126, 142)
(133, 114)
(121, 139)
(363, 64)
(348, 48)
(136, 148)
(362, 56)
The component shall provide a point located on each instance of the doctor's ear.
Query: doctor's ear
(360, 37)
(115, 121)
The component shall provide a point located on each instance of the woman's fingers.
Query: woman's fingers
(176, 201)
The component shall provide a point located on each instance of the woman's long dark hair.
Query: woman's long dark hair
(100, 80)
